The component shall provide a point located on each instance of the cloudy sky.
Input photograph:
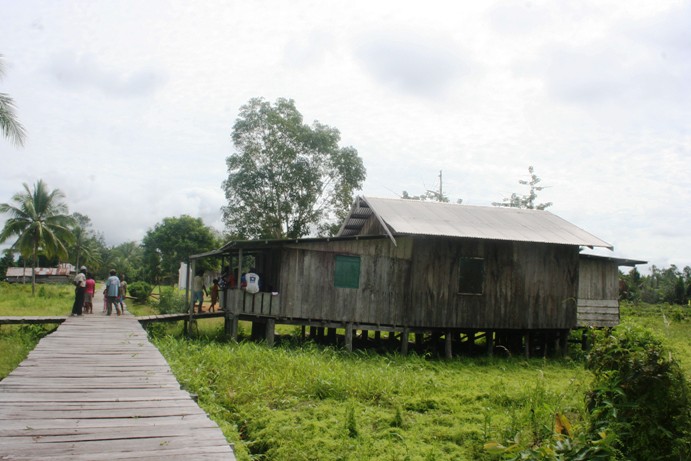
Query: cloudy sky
(129, 105)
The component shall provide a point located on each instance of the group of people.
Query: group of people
(248, 281)
(114, 293)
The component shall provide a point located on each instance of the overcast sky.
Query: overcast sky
(129, 105)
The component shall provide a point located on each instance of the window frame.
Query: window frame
(463, 287)
(346, 280)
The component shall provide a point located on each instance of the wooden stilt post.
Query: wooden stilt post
(419, 341)
(349, 337)
(448, 344)
(527, 345)
(391, 338)
(331, 335)
(564, 342)
(270, 331)
(404, 341)
(489, 343)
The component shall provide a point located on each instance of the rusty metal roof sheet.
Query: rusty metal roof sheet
(61, 270)
(412, 217)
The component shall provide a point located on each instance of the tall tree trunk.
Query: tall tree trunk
(33, 270)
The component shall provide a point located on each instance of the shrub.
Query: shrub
(172, 301)
(640, 395)
(140, 291)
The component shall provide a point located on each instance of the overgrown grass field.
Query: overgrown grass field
(300, 401)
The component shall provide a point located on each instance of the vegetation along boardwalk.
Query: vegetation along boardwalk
(97, 389)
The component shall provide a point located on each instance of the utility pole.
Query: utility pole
(440, 188)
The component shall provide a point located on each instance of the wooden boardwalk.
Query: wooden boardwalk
(97, 389)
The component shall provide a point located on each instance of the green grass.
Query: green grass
(308, 402)
(50, 299)
(305, 402)
(16, 341)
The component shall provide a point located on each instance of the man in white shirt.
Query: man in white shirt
(252, 282)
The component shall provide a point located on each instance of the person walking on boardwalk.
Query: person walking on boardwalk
(89, 294)
(112, 293)
(79, 289)
(123, 293)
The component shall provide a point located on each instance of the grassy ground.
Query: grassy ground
(15, 299)
(306, 402)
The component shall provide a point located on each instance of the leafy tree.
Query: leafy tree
(287, 179)
(40, 221)
(127, 258)
(526, 201)
(171, 242)
(6, 261)
(86, 246)
(9, 124)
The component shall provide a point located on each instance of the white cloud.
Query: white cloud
(129, 107)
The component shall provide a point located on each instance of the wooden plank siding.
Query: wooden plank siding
(598, 293)
(526, 285)
(308, 291)
(415, 284)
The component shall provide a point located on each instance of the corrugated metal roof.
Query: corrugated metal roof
(61, 270)
(414, 217)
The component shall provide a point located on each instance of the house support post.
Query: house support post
(448, 344)
(331, 335)
(404, 341)
(527, 345)
(270, 331)
(564, 342)
(349, 337)
(489, 343)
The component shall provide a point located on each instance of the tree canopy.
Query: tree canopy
(171, 242)
(526, 201)
(9, 124)
(287, 178)
(39, 219)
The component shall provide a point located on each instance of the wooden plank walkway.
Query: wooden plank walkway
(97, 389)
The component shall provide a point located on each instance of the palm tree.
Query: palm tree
(10, 126)
(39, 220)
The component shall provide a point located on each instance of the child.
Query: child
(214, 295)
(89, 294)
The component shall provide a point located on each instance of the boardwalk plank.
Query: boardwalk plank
(97, 389)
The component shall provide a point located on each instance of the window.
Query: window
(471, 277)
(347, 272)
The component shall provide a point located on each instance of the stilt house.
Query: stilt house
(464, 273)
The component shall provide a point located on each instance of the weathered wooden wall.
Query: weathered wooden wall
(598, 293)
(415, 284)
(526, 285)
(307, 281)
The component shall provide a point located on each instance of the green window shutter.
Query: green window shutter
(347, 272)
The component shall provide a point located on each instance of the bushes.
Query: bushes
(140, 291)
(172, 301)
(640, 395)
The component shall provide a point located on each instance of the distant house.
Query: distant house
(491, 275)
(61, 274)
